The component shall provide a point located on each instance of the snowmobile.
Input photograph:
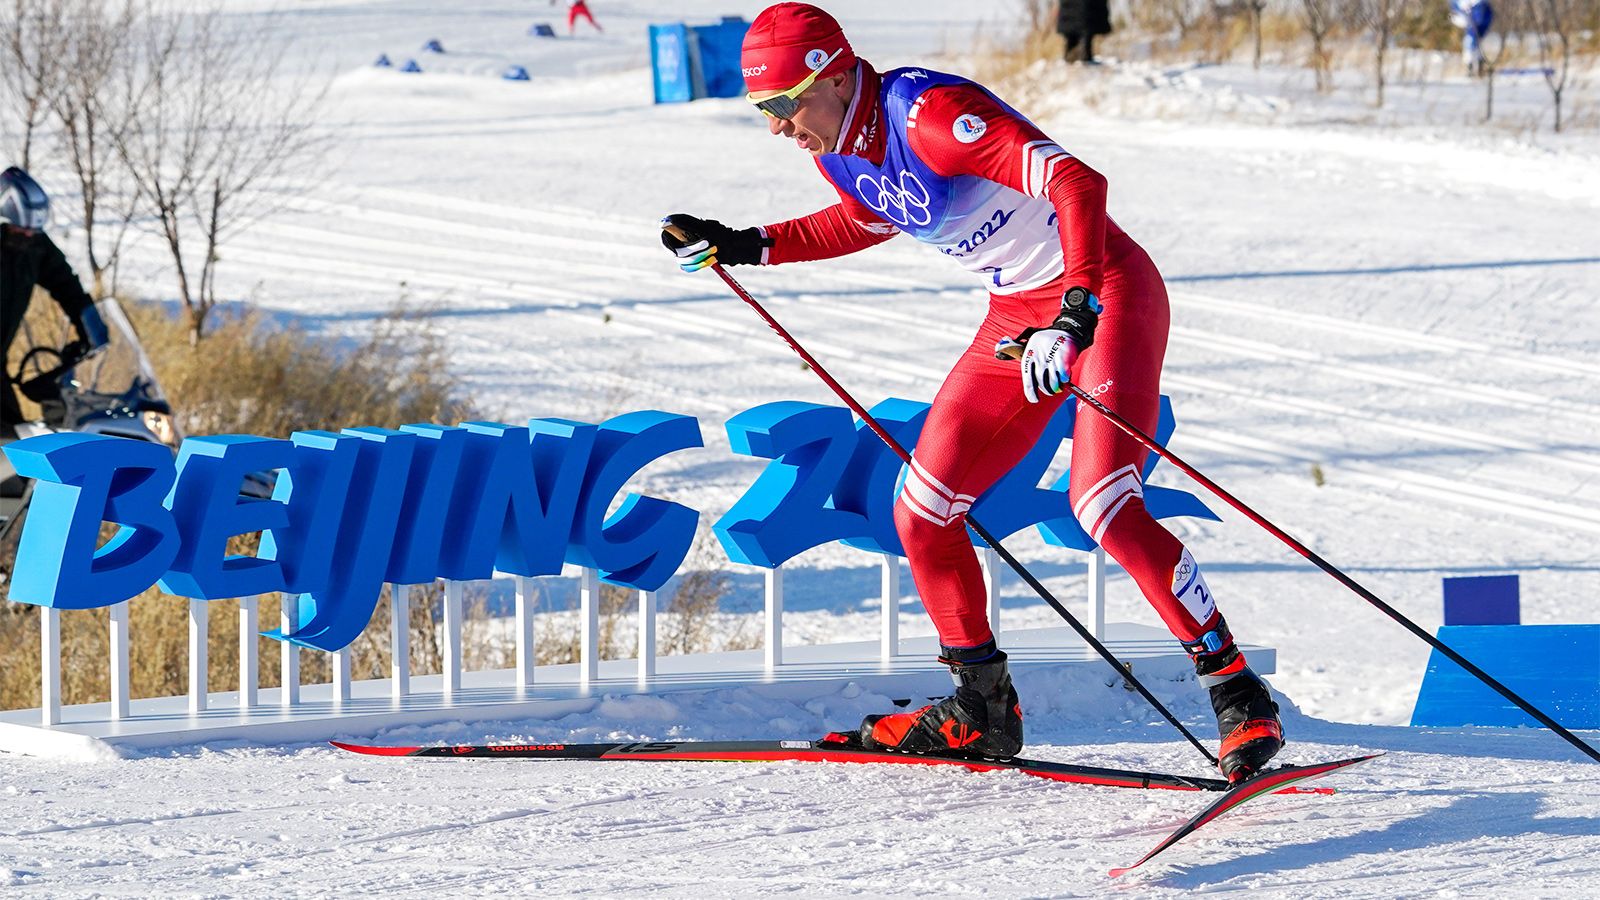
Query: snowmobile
(111, 390)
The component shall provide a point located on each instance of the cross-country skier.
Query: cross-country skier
(577, 8)
(944, 160)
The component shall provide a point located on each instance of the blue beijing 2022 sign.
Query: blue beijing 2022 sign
(353, 510)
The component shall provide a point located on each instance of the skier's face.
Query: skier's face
(816, 124)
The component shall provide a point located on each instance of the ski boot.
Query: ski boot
(982, 719)
(1247, 716)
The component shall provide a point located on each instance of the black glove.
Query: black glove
(706, 242)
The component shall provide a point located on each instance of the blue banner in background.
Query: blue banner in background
(691, 63)
(669, 63)
(719, 47)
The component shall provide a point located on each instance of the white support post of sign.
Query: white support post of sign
(399, 640)
(49, 665)
(527, 637)
(890, 638)
(249, 665)
(452, 637)
(991, 587)
(774, 618)
(119, 660)
(589, 618)
(647, 637)
(1097, 593)
(199, 631)
(289, 654)
(341, 676)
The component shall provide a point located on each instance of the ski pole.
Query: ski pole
(1339, 576)
(972, 523)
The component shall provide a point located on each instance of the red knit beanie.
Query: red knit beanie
(789, 41)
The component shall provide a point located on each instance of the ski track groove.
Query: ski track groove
(456, 881)
(1372, 373)
(1411, 340)
(626, 796)
(361, 207)
(58, 830)
(446, 268)
(647, 830)
(1521, 401)
(1458, 437)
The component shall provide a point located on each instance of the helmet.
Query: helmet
(22, 202)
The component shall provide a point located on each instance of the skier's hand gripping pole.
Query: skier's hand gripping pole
(679, 236)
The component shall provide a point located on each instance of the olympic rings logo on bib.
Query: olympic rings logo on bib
(903, 203)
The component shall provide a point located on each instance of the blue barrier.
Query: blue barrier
(690, 63)
(1555, 667)
(669, 63)
(719, 48)
(542, 29)
(516, 73)
(1482, 600)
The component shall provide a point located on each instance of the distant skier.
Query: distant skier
(1473, 17)
(28, 258)
(578, 8)
(941, 158)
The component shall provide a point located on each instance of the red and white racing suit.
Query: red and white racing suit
(980, 424)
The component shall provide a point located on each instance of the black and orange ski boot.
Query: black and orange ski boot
(1247, 716)
(982, 719)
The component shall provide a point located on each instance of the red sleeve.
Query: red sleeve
(1013, 152)
(845, 227)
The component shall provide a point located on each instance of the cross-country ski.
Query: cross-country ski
(1277, 780)
(828, 749)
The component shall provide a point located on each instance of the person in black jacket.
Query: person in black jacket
(1079, 21)
(27, 258)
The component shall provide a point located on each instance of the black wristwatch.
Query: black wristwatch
(1080, 313)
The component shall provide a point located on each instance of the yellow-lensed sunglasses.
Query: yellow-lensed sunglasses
(786, 104)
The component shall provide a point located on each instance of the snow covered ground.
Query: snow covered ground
(1408, 307)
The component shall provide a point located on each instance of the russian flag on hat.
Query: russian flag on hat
(786, 43)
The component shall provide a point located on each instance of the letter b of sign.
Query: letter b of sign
(75, 491)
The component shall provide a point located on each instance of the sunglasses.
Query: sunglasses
(786, 104)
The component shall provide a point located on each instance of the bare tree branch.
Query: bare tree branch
(1554, 25)
(1508, 20)
(221, 124)
(1380, 18)
(1319, 17)
(30, 63)
(95, 57)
